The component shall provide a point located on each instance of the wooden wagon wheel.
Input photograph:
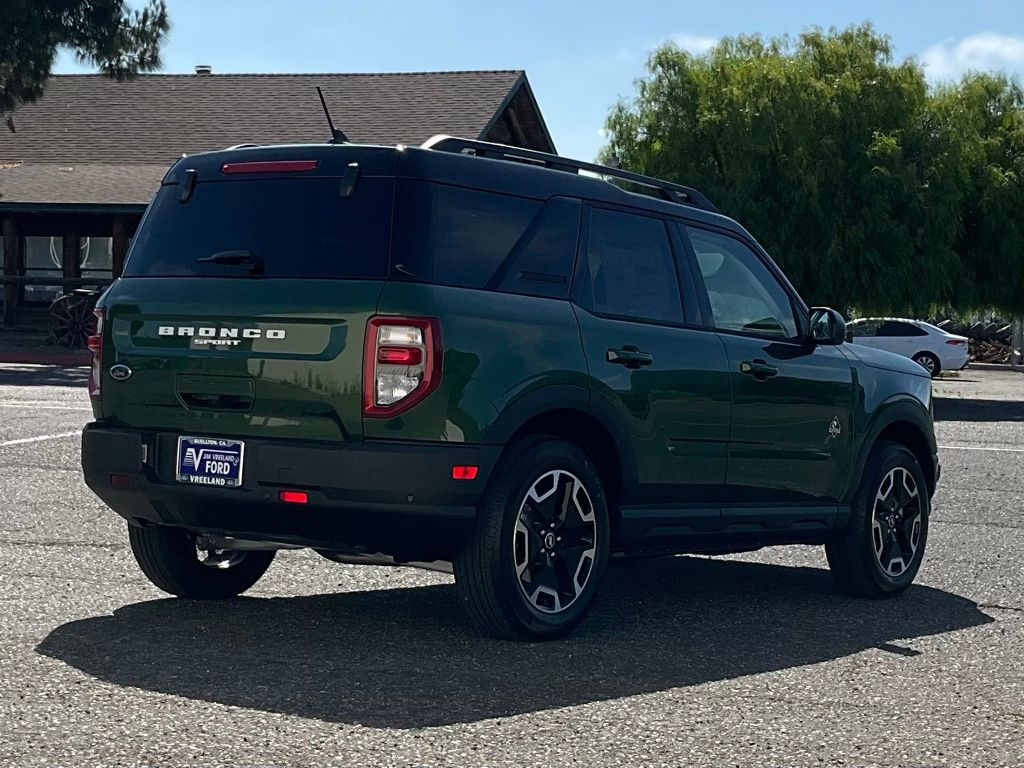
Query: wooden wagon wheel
(71, 318)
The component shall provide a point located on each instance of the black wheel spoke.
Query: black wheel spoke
(901, 494)
(905, 533)
(563, 572)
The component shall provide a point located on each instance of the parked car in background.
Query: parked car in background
(927, 345)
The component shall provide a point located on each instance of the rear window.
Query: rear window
(298, 227)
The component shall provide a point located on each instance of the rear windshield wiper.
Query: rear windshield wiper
(243, 258)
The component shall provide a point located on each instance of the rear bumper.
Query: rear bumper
(392, 497)
(955, 361)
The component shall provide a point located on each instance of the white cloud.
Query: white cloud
(984, 51)
(695, 44)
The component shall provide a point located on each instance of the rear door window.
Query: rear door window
(298, 227)
(893, 328)
(630, 268)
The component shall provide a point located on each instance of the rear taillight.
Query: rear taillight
(957, 342)
(95, 345)
(401, 363)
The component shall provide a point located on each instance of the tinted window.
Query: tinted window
(299, 227)
(541, 262)
(631, 269)
(456, 236)
(743, 293)
(896, 328)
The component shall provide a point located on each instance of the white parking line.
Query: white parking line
(979, 448)
(44, 405)
(23, 440)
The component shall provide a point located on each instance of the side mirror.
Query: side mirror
(827, 326)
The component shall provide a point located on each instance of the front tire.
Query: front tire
(540, 548)
(881, 550)
(172, 562)
(929, 362)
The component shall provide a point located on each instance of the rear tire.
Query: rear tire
(171, 561)
(880, 552)
(929, 362)
(540, 547)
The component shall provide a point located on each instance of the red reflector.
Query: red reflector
(95, 344)
(399, 355)
(461, 472)
(271, 166)
(119, 481)
(958, 342)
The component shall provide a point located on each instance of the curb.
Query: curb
(993, 367)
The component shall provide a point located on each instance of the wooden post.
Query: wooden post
(70, 256)
(119, 246)
(12, 267)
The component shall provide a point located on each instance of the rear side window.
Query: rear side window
(630, 268)
(541, 262)
(470, 238)
(298, 228)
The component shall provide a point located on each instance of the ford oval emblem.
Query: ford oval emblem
(120, 372)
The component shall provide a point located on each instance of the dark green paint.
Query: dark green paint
(693, 429)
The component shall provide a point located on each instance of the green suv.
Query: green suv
(474, 357)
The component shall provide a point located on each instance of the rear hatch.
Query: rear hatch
(246, 292)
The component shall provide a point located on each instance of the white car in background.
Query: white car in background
(927, 345)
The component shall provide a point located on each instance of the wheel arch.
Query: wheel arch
(909, 426)
(565, 412)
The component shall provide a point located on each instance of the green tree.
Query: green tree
(822, 146)
(982, 120)
(118, 41)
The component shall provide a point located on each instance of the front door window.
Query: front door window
(744, 296)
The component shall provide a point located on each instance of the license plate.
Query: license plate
(210, 461)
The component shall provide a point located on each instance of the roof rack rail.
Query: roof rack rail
(675, 193)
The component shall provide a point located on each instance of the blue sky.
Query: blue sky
(580, 56)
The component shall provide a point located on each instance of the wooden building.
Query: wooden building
(84, 161)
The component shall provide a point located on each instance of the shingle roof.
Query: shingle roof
(87, 118)
(97, 183)
(115, 134)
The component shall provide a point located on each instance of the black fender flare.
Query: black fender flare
(906, 410)
(566, 397)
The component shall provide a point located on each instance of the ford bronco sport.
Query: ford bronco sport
(475, 356)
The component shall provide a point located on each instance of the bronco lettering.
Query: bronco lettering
(210, 332)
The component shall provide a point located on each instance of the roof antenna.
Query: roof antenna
(337, 135)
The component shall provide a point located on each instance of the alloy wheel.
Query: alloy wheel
(896, 521)
(219, 558)
(555, 541)
(926, 362)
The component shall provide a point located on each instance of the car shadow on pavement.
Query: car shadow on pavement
(13, 375)
(973, 409)
(401, 658)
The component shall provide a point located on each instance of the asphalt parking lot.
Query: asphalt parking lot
(750, 660)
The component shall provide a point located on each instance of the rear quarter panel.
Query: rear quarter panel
(498, 348)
